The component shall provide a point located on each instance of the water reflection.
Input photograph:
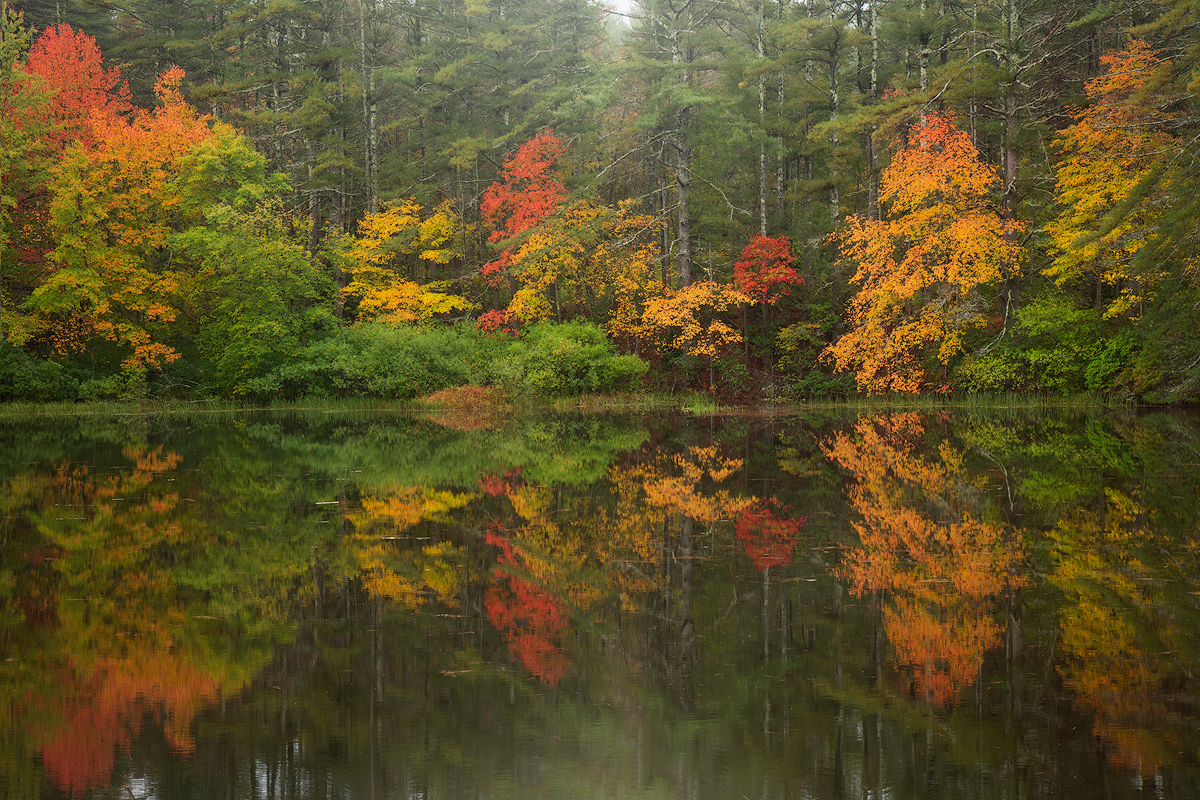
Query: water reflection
(898, 604)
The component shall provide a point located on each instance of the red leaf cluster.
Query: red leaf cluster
(70, 65)
(531, 190)
(499, 321)
(768, 532)
(767, 270)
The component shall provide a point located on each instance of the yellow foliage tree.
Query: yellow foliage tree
(1117, 144)
(375, 258)
(588, 258)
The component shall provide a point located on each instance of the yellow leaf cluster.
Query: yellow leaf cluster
(1116, 144)
(585, 257)
(375, 262)
(690, 319)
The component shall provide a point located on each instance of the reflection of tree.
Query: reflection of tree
(768, 532)
(922, 539)
(116, 644)
(98, 709)
(406, 575)
(531, 619)
(1125, 635)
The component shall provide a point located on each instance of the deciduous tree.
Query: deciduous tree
(921, 270)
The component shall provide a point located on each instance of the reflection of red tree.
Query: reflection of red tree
(767, 532)
(531, 619)
(102, 712)
(499, 485)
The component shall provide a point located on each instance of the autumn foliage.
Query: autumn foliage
(531, 619)
(921, 271)
(768, 531)
(1118, 143)
(767, 269)
(943, 567)
(530, 190)
(69, 64)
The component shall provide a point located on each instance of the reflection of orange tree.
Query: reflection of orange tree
(99, 708)
(921, 540)
(1120, 638)
(123, 648)
(646, 492)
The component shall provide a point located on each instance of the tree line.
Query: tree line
(757, 198)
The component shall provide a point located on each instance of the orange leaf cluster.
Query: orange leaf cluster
(920, 270)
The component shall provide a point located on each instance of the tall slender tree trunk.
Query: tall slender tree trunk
(370, 110)
(683, 169)
(872, 156)
(762, 119)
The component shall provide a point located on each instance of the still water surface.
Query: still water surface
(309, 605)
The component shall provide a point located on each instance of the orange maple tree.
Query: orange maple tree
(921, 269)
(113, 208)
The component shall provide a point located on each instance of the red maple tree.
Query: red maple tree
(767, 269)
(530, 192)
(70, 66)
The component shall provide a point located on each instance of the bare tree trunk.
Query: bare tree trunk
(370, 109)
(762, 116)
(872, 156)
(683, 172)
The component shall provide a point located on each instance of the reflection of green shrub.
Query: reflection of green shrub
(566, 359)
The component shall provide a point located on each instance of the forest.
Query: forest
(755, 199)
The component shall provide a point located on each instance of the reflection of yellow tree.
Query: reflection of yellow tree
(404, 574)
(678, 484)
(922, 539)
(1119, 643)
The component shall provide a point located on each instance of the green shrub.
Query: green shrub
(380, 360)
(24, 377)
(572, 358)
(1048, 349)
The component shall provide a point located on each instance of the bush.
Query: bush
(570, 358)
(381, 360)
(23, 377)
(1049, 349)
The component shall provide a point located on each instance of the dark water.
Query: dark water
(377, 606)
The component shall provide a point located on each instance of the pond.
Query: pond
(960, 604)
